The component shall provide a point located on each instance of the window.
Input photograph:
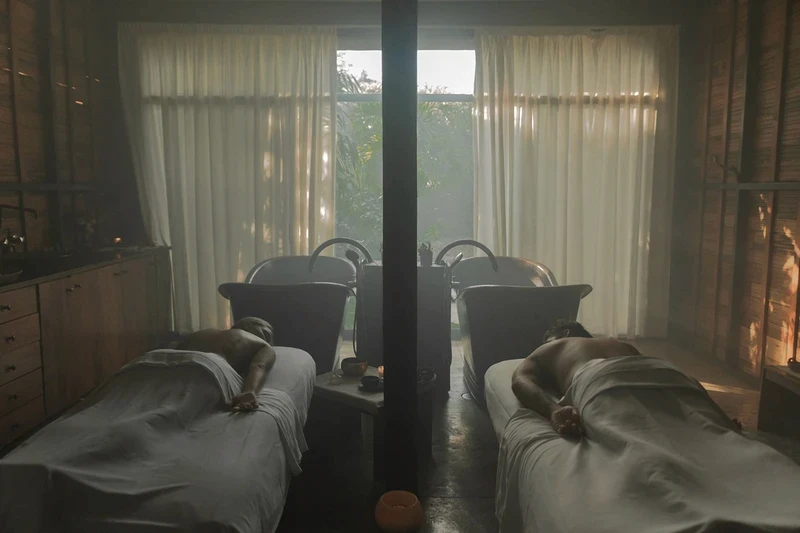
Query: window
(444, 130)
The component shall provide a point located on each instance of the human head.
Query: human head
(255, 326)
(562, 328)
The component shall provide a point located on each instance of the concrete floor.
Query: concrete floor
(335, 492)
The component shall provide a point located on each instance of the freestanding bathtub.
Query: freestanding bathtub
(503, 315)
(306, 309)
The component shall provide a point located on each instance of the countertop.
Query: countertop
(41, 268)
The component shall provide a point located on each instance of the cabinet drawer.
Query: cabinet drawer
(19, 362)
(20, 391)
(21, 421)
(17, 304)
(19, 333)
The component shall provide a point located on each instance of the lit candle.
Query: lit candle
(380, 371)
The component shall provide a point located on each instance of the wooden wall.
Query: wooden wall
(736, 252)
(50, 99)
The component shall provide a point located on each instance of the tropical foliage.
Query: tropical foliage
(445, 167)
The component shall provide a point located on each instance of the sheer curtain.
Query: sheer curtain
(574, 157)
(232, 141)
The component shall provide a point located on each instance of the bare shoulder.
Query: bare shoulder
(243, 339)
(541, 358)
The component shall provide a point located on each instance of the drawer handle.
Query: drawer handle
(11, 338)
(15, 426)
(11, 368)
(76, 286)
(5, 307)
(13, 397)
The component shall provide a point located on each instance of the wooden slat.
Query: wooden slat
(789, 156)
(702, 195)
(780, 79)
(721, 212)
(765, 281)
(781, 87)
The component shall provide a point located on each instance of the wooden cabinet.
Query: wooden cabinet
(21, 405)
(88, 324)
(17, 304)
(136, 278)
(94, 323)
(72, 326)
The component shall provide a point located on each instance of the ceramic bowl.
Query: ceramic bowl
(371, 383)
(354, 368)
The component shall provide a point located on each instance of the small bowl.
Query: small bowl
(353, 367)
(371, 383)
(399, 512)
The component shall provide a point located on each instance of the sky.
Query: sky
(453, 69)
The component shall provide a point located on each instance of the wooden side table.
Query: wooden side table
(344, 391)
(779, 408)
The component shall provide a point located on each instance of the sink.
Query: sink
(6, 279)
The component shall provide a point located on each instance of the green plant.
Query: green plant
(445, 167)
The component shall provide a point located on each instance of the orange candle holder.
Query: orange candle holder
(399, 512)
(380, 371)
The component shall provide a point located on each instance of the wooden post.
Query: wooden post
(399, 34)
(745, 168)
(703, 173)
(726, 126)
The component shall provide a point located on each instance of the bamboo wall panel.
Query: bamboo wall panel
(707, 296)
(768, 94)
(37, 230)
(789, 157)
(736, 113)
(46, 116)
(755, 218)
(8, 138)
(720, 74)
(28, 91)
(726, 273)
(752, 296)
(783, 279)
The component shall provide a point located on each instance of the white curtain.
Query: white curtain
(232, 137)
(574, 157)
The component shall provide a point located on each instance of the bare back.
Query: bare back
(236, 346)
(562, 358)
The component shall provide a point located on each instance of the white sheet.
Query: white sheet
(500, 399)
(659, 456)
(156, 450)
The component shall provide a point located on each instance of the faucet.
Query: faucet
(10, 243)
(440, 258)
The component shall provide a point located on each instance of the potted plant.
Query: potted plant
(425, 254)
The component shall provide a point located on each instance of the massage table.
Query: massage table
(659, 456)
(156, 449)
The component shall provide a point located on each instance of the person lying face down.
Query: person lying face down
(567, 347)
(247, 347)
